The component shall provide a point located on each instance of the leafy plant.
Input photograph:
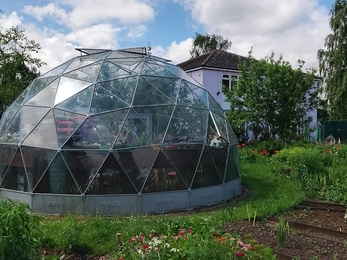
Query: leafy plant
(18, 231)
(283, 228)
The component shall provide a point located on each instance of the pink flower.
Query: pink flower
(121, 258)
(239, 254)
(190, 230)
(181, 232)
(144, 246)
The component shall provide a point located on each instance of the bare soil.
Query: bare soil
(300, 244)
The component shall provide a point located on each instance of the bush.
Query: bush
(18, 229)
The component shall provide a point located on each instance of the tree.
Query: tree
(206, 43)
(17, 65)
(333, 61)
(271, 97)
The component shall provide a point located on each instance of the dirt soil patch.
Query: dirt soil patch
(300, 244)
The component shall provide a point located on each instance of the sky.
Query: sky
(295, 29)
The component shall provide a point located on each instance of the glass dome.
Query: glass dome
(117, 132)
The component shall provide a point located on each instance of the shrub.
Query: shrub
(18, 230)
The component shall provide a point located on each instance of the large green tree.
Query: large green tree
(17, 65)
(333, 61)
(208, 42)
(272, 98)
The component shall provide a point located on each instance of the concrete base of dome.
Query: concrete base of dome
(120, 204)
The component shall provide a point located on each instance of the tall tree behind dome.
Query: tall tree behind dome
(333, 61)
(206, 43)
(17, 65)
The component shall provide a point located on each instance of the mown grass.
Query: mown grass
(267, 194)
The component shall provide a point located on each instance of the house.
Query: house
(217, 68)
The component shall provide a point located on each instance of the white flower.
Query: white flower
(174, 250)
(167, 245)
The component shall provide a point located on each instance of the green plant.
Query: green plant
(18, 231)
(283, 228)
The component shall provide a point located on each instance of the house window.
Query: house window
(229, 80)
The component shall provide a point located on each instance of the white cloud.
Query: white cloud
(136, 31)
(91, 12)
(176, 52)
(294, 28)
(11, 20)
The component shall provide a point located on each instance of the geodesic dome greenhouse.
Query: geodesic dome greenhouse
(117, 132)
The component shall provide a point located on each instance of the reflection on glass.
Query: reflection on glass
(111, 179)
(6, 154)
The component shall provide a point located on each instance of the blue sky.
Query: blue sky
(294, 28)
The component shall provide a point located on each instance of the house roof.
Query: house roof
(214, 59)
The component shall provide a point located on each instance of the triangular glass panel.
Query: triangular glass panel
(85, 60)
(185, 159)
(186, 77)
(214, 136)
(135, 133)
(30, 117)
(37, 85)
(111, 179)
(172, 68)
(137, 163)
(98, 132)
(169, 87)
(44, 135)
(149, 70)
(19, 100)
(7, 117)
(79, 103)
(147, 94)
(233, 168)
(122, 88)
(187, 97)
(58, 70)
(46, 96)
(36, 161)
(162, 179)
(206, 173)
(57, 179)
(11, 134)
(6, 155)
(214, 106)
(66, 123)
(84, 165)
(221, 125)
(104, 100)
(219, 156)
(200, 92)
(110, 71)
(231, 135)
(166, 70)
(156, 118)
(69, 87)
(180, 130)
(128, 64)
(16, 177)
(197, 118)
(88, 73)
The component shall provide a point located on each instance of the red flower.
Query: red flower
(264, 152)
(239, 146)
(243, 145)
(276, 151)
(181, 232)
(239, 254)
(327, 151)
(144, 246)
(121, 258)
(254, 151)
(190, 230)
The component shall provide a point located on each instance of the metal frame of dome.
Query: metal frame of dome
(117, 132)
